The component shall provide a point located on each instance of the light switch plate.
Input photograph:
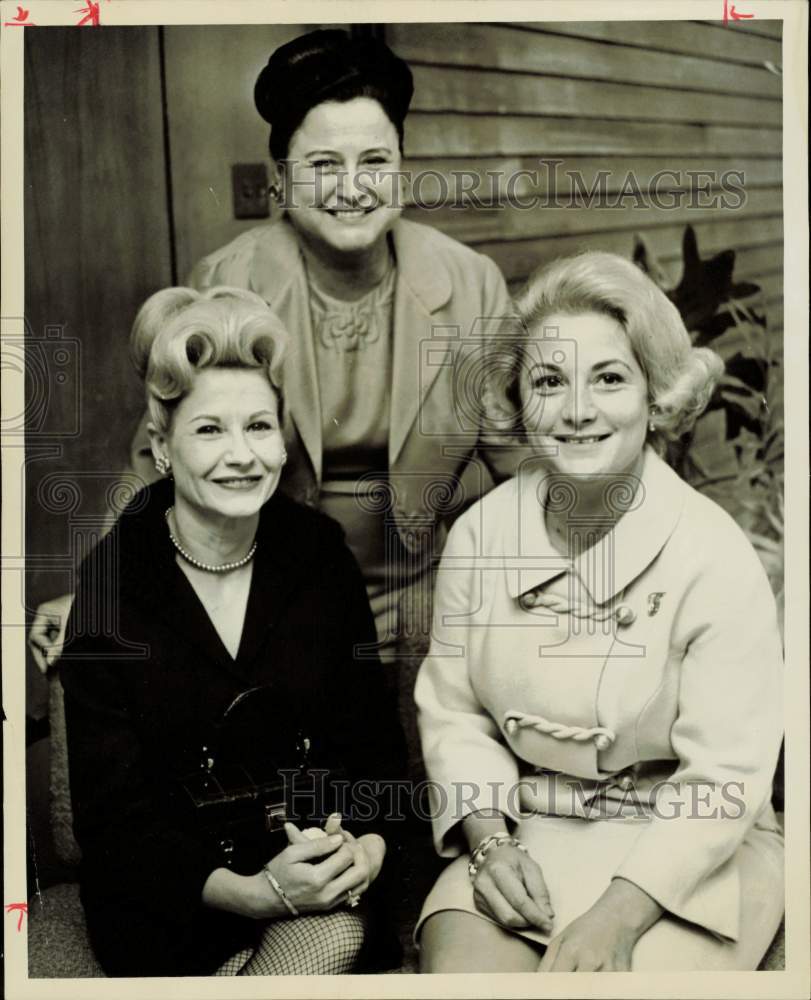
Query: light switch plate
(250, 185)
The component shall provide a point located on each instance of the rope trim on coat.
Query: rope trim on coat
(622, 614)
(515, 721)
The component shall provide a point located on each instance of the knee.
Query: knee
(345, 938)
(460, 942)
(438, 961)
(442, 949)
(347, 948)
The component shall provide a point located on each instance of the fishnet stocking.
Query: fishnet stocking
(320, 944)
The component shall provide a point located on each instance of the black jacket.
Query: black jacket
(145, 675)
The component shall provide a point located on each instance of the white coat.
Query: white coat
(680, 682)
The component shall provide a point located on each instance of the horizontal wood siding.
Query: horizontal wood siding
(621, 106)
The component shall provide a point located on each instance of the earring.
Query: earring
(162, 465)
(651, 424)
(273, 192)
(284, 457)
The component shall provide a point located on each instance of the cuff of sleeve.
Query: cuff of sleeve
(160, 868)
(712, 901)
(450, 804)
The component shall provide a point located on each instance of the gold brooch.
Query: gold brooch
(654, 601)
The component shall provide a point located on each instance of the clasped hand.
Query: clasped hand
(317, 872)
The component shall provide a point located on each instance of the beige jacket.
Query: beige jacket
(670, 706)
(447, 299)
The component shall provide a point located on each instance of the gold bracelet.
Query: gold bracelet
(291, 909)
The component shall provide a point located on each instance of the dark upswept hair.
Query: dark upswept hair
(680, 377)
(329, 65)
(180, 331)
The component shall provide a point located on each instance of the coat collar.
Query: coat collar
(424, 286)
(620, 556)
(278, 262)
(421, 269)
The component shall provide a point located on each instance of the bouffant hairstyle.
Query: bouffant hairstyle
(680, 377)
(179, 332)
(329, 65)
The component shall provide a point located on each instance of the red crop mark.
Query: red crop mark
(730, 12)
(92, 14)
(22, 907)
(21, 20)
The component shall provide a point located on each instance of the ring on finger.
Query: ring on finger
(352, 899)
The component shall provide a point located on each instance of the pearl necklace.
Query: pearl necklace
(207, 567)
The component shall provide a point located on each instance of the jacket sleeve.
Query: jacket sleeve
(365, 726)
(726, 736)
(132, 849)
(501, 455)
(469, 768)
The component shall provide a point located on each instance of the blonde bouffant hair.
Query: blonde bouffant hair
(680, 377)
(179, 332)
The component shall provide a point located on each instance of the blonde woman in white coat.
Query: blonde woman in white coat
(600, 709)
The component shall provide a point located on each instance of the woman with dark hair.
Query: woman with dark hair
(212, 642)
(386, 319)
(600, 709)
(372, 412)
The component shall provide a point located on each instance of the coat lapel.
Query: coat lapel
(277, 571)
(538, 561)
(152, 578)
(423, 287)
(621, 555)
(183, 610)
(278, 275)
(642, 532)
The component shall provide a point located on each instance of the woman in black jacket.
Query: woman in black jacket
(212, 585)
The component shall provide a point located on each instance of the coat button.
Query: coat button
(624, 615)
(602, 742)
(528, 600)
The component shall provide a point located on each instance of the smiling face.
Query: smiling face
(584, 396)
(340, 178)
(224, 443)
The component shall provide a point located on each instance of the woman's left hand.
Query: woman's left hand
(368, 850)
(603, 938)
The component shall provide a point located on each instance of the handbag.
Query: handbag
(257, 771)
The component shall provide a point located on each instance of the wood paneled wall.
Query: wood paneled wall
(494, 99)
(97, 243)
(210, 76)
(130, 135)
